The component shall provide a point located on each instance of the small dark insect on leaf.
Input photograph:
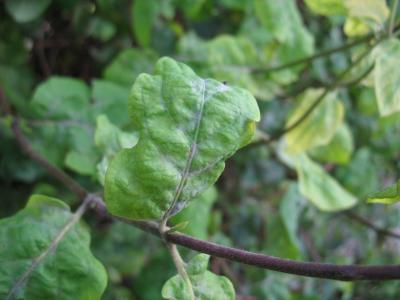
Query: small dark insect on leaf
(225, 82)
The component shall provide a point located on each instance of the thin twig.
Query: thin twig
(315, 104)
(365, 222)
(358, 79)
(308, 59)
(337, 83)
(311, 58)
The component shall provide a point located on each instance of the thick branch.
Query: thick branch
(309, 269)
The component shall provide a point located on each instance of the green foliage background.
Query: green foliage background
(67, 68)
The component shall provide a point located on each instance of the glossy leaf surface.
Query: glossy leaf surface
(187, 127)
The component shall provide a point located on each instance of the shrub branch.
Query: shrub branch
(308, 269)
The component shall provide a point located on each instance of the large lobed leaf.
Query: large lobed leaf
(187, 127)
(68, 272)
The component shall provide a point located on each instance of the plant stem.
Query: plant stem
(180, 266)
(358, 79)
(392, 18)
(176, 257)
(308, 269)
(309, 59)
(53, 245)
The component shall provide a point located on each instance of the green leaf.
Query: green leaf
(283, 241)
(16, 82)
(289, 210)
(83, 155)
(123, 249)
(283, 11)
(295, 40)
(387, 76)
(110, 139)
(320, 188)
(338, 150)
(101, 29)
(128, 64)
(191, 8)
(26, 10)
(355, 27)
(226, 58)
(83, 164)
(188, 126)
(68, 272)
(362, 15)
(61, 98)
(375, 11)
(67, 115)
(389, 195)
(229, 58)
(206, 285)
(320, 125)
(197, 214)
(360, 176)
(144, 14)
(235, 4)
(110, 99)
(327, 7)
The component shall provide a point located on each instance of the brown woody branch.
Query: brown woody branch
(309, 269)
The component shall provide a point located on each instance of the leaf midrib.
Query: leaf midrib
(192, 153)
